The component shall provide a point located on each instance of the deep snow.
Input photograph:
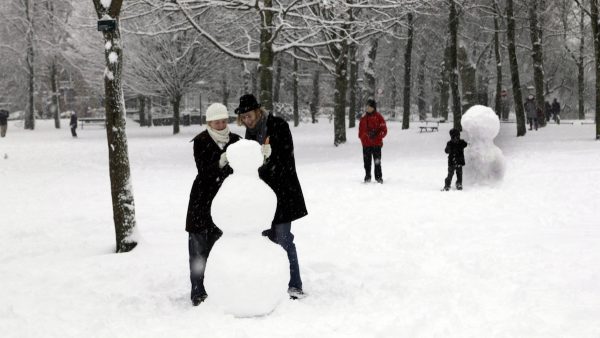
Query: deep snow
(396, 260)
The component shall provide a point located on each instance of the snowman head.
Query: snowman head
(480, 123)
(245, 157)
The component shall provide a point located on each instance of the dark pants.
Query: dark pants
(285, 238)
(73, 131)
(199, 246)
(532, 122)
(375, 153)
(459, 173)
(3, 128)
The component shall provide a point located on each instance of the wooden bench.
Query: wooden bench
(429, 128)
(92, 120)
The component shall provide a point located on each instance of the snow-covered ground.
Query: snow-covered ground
(396, 260)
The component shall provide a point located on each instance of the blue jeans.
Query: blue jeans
(285, 238)
(199, 246)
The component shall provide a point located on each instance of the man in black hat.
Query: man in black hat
(279, 172)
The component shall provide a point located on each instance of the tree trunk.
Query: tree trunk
(445, 84)
(393, 86)
(314, 103)
(142, 103)
(225, 91)
(55, 93)
(407, 69)
(149, 121)
(581, 68)
(456, 101)
(468, 80)
(266, 57)
(247, 76)
(29, 116)
(352, 50)
(340, 53)
(277, 85)
(421, 103)
(498, 58)
(200, 106)
(122, 196)
(295, 93)
(514, 69)
(596, 32)
(369, 69)
(175, 103)
(537, 56)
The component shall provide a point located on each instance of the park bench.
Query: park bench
(430, 126)
(92, 120)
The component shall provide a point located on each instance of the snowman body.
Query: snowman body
(246, 274)
(485, 162)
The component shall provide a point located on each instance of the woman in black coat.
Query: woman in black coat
(211, 162)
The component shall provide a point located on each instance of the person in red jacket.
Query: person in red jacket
(371, 131)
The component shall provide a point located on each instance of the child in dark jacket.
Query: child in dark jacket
(456, 159)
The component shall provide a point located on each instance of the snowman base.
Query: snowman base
(247, 276)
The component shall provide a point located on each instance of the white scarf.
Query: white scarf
(221, 137)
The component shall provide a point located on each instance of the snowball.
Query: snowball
(484, 161)
(108, 45)
(106, 3)
(245, 157)
(246, 276)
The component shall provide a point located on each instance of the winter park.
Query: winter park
(339, 168)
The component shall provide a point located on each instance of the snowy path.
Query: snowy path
(395, 260)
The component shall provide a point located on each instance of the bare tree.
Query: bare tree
(118, 157)
(514, 69)
(407, 71)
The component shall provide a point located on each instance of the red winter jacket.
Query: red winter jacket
(372, 130)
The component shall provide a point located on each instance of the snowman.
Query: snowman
(246, 274)
(484, 160)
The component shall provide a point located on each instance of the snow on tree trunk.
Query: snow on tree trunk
(118, 157)
(407, 69)
(581, 68)
(514, 69)
(456, 101)
(468, 80)
(369, 68)
(339, 52)
(225, 90)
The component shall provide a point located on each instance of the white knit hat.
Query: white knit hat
(216, 111)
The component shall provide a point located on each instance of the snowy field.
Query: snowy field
(396, 260)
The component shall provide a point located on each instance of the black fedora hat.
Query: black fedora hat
(247, 103)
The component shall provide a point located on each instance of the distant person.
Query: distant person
(371, 131)
(3, 122)
(456, 159)
(504, 105)
(210, 148)
(547, 110)
(73, 124)
(532, 112)
(556, 111)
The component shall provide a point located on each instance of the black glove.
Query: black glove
(372, 134)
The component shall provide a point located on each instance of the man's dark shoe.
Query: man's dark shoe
(367, 179)
(199, 299)
(296, 293)
(380, 180)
